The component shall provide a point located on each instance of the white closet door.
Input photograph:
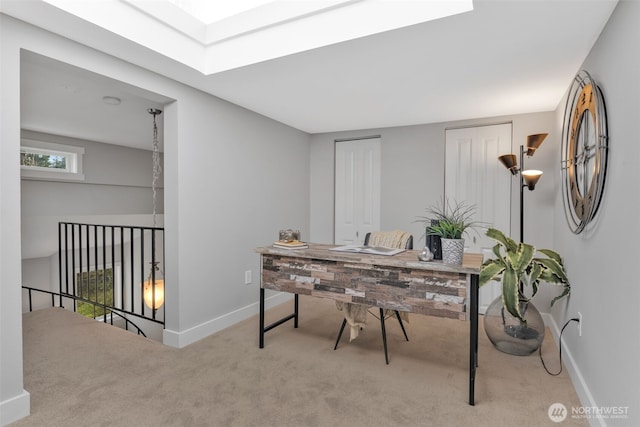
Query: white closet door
(474, 175)
(357, 189)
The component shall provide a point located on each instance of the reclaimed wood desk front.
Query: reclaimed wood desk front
(399, 282)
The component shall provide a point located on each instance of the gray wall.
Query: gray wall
(233, 179)
(38, 273)
(412, 174)
(600, 261)
(108, 164)
(224, 195)
(117, 182)
(412, 179)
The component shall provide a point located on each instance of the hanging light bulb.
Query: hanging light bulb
(531, 178)
(153, 288)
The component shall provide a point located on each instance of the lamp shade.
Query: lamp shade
(148, 292)
(534, 141)
(531, 178)
(510, 162)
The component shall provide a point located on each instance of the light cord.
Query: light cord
(157, 168)
(560, 348)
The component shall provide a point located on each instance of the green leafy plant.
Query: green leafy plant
(517, 268)
(449, 220)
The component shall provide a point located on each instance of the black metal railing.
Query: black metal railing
(106, 266)
(110, 312)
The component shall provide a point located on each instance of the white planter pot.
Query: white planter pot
(452, 250)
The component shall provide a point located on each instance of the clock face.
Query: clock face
(584, 151)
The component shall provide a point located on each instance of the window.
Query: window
(97, 286)
(46, 160)
(100, 286)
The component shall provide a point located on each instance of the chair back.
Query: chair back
(408, 246)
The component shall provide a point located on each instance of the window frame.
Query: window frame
(73, 155)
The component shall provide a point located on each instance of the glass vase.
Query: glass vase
(508, 334)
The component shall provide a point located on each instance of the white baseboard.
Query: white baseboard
(15, 408)
(584, 394)
(196, 333)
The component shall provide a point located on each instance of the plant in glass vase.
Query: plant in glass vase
(520, 329)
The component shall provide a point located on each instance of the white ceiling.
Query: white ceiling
(60, 99)
(503, 58)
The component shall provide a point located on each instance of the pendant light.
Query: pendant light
(153, 287)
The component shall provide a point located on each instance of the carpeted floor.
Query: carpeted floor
(84, 373)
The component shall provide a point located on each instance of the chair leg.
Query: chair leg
(402, 325)
(344, 322)
(384, 336)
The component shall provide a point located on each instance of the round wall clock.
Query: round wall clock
(584, 151)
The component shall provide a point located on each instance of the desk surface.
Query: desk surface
(471, 262)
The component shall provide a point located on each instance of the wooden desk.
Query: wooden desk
(398, 282)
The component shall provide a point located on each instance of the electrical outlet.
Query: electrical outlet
(579, 324)
(247, 277)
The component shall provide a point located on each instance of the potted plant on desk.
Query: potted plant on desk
(512, 322)
(450, 221)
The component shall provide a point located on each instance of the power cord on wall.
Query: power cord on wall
(575, 319)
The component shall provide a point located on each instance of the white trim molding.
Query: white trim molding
(15, 408)
(577, 379)
(196, 333)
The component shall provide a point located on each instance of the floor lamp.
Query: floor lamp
(528, 178)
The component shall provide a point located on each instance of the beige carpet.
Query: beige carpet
(84, 373)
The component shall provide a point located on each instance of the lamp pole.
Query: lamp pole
(522, 185)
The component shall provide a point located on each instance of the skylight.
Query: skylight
(212, 36)
(210, 11)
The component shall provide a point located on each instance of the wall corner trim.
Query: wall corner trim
(15, 408)
(196, 333)
(577, 379)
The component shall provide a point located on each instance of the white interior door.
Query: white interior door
(357, 189)
(474, 175)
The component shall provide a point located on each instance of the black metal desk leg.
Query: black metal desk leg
(473, 337)
(263, 328)
(384, 336)
(261, 317)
